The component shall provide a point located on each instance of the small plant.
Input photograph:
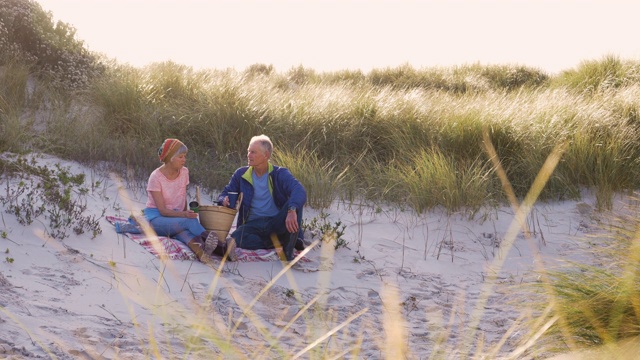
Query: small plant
(329, 232)
(410, 304)
(289, 293)
(55, 194)
(3, 234)
(9, 260)
(6, 251)
(112, 263)
(359, 258)
(340, 242)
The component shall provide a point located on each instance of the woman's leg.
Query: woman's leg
(187, 231)
(183, 229)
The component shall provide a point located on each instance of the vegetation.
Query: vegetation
(56, 193)
(417, 132)
(328, 232)
(594, 307)
(423, 138)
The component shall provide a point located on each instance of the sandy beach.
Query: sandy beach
(450, 277)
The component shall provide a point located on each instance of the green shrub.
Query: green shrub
(50, 193)
(27, 32)
(329, 232)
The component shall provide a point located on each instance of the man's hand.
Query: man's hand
(292, 222)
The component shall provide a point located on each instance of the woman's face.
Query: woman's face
(178, 161)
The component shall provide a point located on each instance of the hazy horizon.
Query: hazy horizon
(328, 35)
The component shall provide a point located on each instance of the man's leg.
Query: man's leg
(299, 245)
(253, 235)
(288, 240)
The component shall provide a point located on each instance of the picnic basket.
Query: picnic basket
(218, 218)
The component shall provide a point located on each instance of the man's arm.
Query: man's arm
(233, 185)
(293, 188)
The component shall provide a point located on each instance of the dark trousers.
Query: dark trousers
(256, 233)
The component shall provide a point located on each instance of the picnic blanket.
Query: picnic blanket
(174, 249)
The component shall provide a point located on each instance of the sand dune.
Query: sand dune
(106, 297)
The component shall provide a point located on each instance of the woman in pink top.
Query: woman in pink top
(166, 208)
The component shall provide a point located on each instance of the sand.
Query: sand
(450, 277)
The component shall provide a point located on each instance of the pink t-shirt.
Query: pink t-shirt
(174, 192)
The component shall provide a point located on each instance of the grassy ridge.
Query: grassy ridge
(383, 139)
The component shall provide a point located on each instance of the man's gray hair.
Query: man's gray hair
(264, 142)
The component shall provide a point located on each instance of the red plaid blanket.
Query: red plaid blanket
(165, 247)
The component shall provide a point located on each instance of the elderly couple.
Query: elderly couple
(272, 203)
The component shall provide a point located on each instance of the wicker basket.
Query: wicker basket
(217, 218)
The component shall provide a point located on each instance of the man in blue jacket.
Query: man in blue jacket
(272, 201)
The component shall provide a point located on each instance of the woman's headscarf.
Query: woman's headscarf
(170, 148)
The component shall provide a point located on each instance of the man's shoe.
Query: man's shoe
(299, 244)
(227, 249)
(231, 250)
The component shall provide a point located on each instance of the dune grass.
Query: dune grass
(366, 129)
(366, 125)
(594, 310)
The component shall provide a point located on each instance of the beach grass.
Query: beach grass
(593, 309)
(374, 134)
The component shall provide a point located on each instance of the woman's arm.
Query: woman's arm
(159, 200)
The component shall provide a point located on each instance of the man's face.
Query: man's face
(256, 155)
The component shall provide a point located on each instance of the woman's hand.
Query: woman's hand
(191, 214)
(225, 201)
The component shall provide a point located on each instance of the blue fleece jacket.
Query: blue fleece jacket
(282, 185)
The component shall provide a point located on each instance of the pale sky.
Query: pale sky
(328, 35)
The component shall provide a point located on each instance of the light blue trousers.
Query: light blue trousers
(183, 229)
